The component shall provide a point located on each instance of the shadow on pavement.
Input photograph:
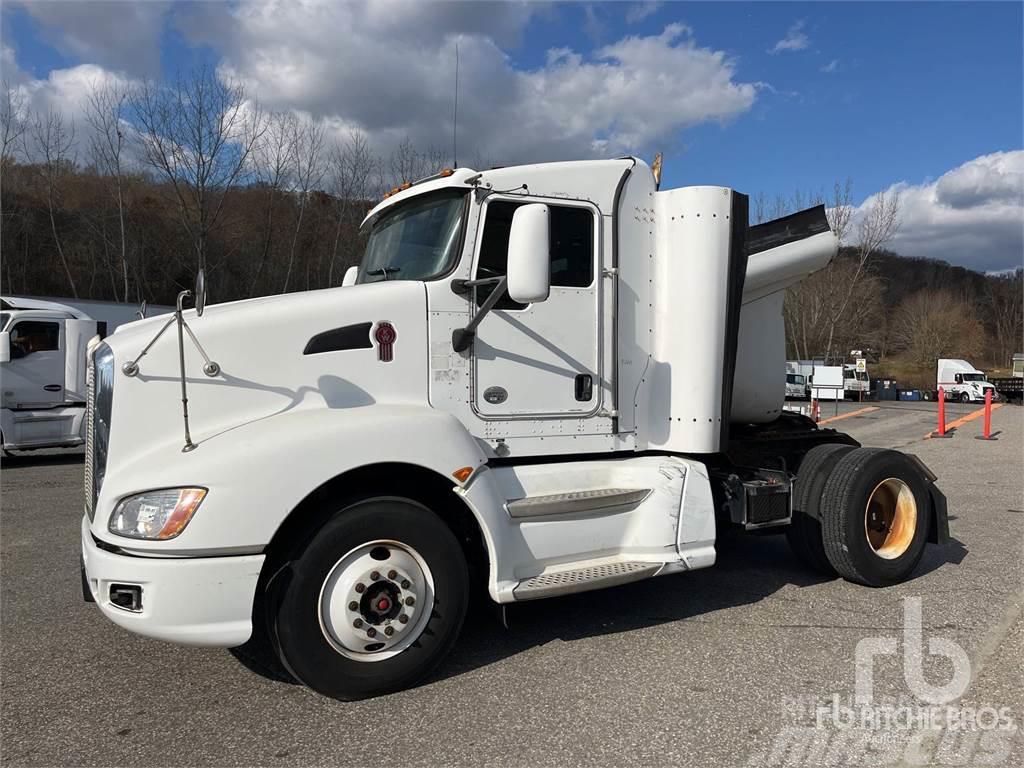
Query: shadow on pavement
(29, 459)
(749, 569)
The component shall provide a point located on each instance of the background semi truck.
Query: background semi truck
(961, 381)
(43, 367)
(545, 379)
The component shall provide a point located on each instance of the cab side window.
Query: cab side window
(958, 378)
(30, 336)
(572, 247)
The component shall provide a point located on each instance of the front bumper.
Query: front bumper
(205, 601)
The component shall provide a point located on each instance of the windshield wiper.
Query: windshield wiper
(384, 271)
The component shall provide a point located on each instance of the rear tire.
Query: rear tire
(804, 533)
(380, 556)
(875, 516)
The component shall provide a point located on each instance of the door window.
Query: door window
(30, 336)
(572, 248)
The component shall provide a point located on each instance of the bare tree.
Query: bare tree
(13, 122)
(106, 111)
(308, 172)
(876, 227)
(935, 323)
(272, 159)
(1004, 296)
(51, 144)
(352, 167)
(198, 134)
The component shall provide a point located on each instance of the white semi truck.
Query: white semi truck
(961, 381)
(43, 366)
(546, 379)
(43, 373)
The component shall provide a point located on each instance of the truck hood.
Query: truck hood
(318, 349)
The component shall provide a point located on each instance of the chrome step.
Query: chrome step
(597, 500)
(584, 579)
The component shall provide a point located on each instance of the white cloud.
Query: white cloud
(832, 66)
(392, 74)
(115, 35)
(637, 12)
(972, 216)
(795, 39)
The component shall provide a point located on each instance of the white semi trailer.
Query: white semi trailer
(546, 379)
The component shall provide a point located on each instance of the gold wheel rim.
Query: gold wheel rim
(890, 518)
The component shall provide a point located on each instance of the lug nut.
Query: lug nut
(405, 584)
(374, 576)
(371, 632)
(392, 575)
(360, 587)
(410, 600)
(403, 619)
(389, 631)
(357, 623)
(353, 606)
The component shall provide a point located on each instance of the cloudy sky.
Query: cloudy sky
(762, 97)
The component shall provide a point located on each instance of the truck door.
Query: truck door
(34, 378)
(540, 360)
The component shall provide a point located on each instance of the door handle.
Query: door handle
(584, 387)
(53, 387)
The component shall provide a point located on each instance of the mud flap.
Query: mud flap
(86, 591)
(938, 530)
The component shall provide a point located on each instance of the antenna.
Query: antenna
(455, 117)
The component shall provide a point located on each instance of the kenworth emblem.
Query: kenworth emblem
(385, 336)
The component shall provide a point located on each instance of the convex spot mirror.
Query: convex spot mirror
(529, 254)
(200, 293)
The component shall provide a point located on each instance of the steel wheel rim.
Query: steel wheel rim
(890, 518)
(351, 610)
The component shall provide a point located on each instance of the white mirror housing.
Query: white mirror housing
(5, 347)
(350, 277)
(529, 254)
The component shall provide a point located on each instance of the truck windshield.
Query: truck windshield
(418, 240)
(974, 377)
(794, 378)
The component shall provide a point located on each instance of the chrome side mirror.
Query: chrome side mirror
(529, 254)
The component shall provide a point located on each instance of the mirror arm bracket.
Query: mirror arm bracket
(462, 287)
(462, 338)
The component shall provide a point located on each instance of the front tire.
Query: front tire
(965, 397)
(875, 516)
(375, 600)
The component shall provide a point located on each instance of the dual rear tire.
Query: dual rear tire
(860, 513)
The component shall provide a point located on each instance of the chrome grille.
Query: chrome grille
(90, 407)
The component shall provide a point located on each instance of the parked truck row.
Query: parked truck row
(541, 380)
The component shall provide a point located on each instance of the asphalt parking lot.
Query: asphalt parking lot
(697, 669)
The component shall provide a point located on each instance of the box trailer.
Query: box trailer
(545, 379)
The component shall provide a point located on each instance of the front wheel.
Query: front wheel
(374, 602)
(965, 397)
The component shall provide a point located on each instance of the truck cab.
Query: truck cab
(541, 379)
(961, 381)
(43, 367)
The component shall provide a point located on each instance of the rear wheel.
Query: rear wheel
(874, 516)
(804, 533)
(375, 600)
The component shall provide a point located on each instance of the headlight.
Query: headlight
(159, 514)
